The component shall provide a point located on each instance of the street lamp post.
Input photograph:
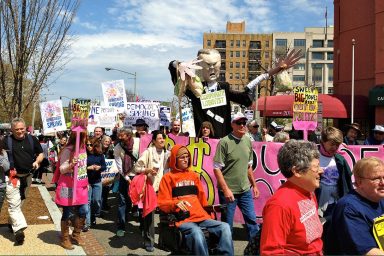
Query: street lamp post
(129, 73)
(353, 81)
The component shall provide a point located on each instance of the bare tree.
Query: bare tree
(34, 40)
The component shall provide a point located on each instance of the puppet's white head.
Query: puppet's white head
(211, 62)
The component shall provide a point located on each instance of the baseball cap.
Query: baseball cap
(238, 116)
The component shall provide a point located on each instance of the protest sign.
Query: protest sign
(79, 122)
(265, 168)
(108, 176)
(114, 94)
(100, 116)
(305, 109)
(248, 114)
(188, 124)
(165, 116)
(149, 111)
(52, 116)
(213, 99)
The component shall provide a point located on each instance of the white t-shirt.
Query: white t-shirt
(331, 174)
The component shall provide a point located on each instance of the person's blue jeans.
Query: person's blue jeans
(94, 202)
(246, 205)
(80, 210)
(125, 203)
(195, 239)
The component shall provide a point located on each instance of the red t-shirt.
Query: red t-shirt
(290, 223)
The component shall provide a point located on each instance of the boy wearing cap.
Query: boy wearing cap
(181, 190)
(378, 136)
(233, 171)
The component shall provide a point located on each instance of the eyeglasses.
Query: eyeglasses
(376, 180)
(89, 144)
(240, 123)
(256, 126)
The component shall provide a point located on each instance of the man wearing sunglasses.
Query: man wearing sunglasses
(253, 131)
(233, 171)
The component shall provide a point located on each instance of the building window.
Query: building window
(330, 90)
(317, 72)
(244, 54)
(237, 53)
(281, 42)
(230, 64)
(317, 55)
(298, 78)
(243, 65)
(318, 43)
(237, 64)
(266, 44)
(231, 43)
(266, 55)
(330, 72)
(254, 67)
(237, 76)
(242, 75)
(255, 45)
(208, 42)
(329, 55)
(237, 43)
(299, 66)
(222, 67)
(266, 66)
(244, 43)
(330, 43)
(230, 76)
(254, 55)
(299, 42)
(222, 77)
(220, 44)
(222, 54)
(231, 53)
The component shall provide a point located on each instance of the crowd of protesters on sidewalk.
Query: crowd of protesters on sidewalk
(317, 210)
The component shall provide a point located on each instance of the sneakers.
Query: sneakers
(120, 233)
(85, 228)
(19, 237)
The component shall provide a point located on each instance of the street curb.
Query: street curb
(56, 217)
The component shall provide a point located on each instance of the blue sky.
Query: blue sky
(143, 36)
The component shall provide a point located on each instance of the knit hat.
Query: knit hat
(182, 151)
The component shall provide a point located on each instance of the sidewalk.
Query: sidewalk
(42, 239)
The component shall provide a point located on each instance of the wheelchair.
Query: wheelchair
(171, 239)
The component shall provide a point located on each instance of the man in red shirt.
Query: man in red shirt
(290, 221)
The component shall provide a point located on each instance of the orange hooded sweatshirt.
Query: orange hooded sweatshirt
(178, 178)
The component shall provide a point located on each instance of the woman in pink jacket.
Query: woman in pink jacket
(66, 184)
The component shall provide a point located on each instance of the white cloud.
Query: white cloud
(144, 35)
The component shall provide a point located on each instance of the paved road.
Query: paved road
(130, 244)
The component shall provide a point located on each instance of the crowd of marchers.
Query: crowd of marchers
(318, 210)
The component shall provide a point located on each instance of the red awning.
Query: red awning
(281, 106)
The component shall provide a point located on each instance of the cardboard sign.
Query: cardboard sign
(108, 176)
(213, 99)
(165, 116)
(80, 112)
(52, 116)
(305, 109)
(114, 94)
(149, 111)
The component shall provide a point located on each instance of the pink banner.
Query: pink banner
(265, 168)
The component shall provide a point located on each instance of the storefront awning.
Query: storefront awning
(376, 96)
(281, 106)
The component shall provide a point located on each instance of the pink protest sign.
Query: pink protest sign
(79, 122)
(305, 109)
(265, 168)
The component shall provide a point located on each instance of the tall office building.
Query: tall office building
(316, 65)
(243, 56)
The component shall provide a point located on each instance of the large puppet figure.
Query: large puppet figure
(209, 62)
